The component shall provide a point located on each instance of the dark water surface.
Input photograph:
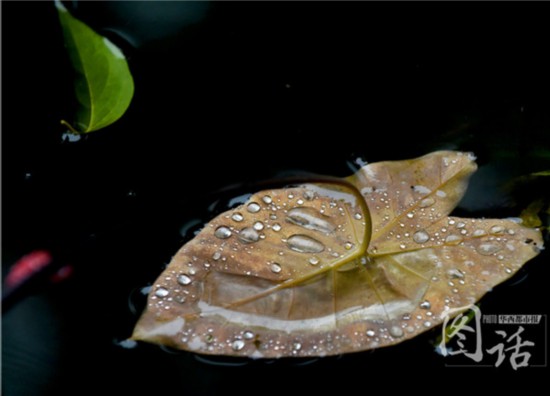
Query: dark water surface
(232, 93)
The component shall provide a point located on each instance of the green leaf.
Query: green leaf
(104, 85)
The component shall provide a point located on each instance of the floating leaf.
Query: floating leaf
(104, 86)
(324, 269)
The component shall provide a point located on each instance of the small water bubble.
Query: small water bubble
(248, 235)
(184, 280)
(396, 331)
(456, 273)
(253, 207)
(410, 215)
(425, 304)
(238, 217)
(237, 345)
(296, 346)
(161, 292)
(488, 248)
(216, 256)
(461, 225)
(357, 216)
(222, 232)
(370, 333)
(314, 260)
(267, 199)
(276, 227)
(452, 222)
(304, 244)
(453, 239)
(275, 268)
(421, 236)
(479, 233)
(290, 196)
(427, 323)
(426, 202)
(348, 245)
(496, 230)
(258, 226)
(248, 335)
(508, 270)
(402, 246)
(300, 202)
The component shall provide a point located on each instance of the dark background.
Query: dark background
(231, 93)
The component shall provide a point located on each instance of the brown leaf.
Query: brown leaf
(302, 272)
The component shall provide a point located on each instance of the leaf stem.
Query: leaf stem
(70, 127)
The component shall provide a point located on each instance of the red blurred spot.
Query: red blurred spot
(62, 274)
(27, 266)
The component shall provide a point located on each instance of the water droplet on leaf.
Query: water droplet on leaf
(304, 244)
(222, 232)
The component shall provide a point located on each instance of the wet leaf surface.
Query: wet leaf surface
(324, 269)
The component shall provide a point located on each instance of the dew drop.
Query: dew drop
(276, 227)
(237, 345)
(508, 270)
(410, 215)
(456, 273)
(357, 216)
(275, 268)
(348, 246)
(222, 232)
(296, 346)
(370, 333)
(300, 202)
(253, 207)
(421, 236)
(184, 280)
(216, 256)
(314, 260)
(396, 331)
(248, 235)
(479, 233)
(427, 323)
(402, 246)
(487, 249)
(425, 304)
(267, 199)
(161, 292)
(453, 239)
(496, 230)
(426, 202)
(258, 226)
(248, 335)
(238, 217)
(310, 219)
(304, 244)
(461, 225)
